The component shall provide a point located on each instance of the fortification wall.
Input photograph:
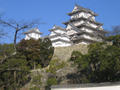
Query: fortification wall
(64, 53)
(91, 86)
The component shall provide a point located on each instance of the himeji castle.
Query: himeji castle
(82, 28)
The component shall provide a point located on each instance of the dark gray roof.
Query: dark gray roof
(82, 18)
(89, 27)
(57, 27)
(34, 30)
(81, 9)
(45, 37)
(80, 39)
(87, 85)
(57, 35)
(91, 34)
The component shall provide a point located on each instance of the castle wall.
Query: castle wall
(57, 31)
(82, 14)
(64, 53)
(90, 88)
(60, 44)
(60, 37)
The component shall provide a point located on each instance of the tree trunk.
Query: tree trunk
(15, 80)
(34, 65)
(15, 38)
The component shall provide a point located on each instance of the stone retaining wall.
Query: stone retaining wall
(94, 86)
(64, 53)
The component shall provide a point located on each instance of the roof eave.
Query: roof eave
(71, 13)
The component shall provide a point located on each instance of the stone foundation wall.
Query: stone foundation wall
(64, 53)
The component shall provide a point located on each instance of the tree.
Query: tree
(14, 73)
(6, 50)
(2, 34)
(101, 64)
(115, 31)
(115, 40)
(17, 27)
(37, 52)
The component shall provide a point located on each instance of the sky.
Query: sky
(53, 12)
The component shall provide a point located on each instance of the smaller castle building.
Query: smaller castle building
(59, 37)
(33, 34)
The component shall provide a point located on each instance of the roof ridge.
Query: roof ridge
(36, 30)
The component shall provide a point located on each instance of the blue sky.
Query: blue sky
(54, 11)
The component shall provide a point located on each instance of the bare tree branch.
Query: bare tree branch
(16, 26)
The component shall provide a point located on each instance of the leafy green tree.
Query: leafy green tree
(115, 40)
(37, 52)
(6, 50)
(52, 81)
(101, 64)
(55, 65)
(14, 72)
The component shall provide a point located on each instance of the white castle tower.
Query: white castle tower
(33, 34)
(59, 37)
(83, 28)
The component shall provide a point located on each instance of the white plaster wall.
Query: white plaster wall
(87, 36)
(92, 25)
(77, 15)
(87, 30)
(32, 35)
(77, 23)
(82, 14)
(57, 31)
(52, 33)
(83, 42)
(91, 38)
(60, 37)
(91, 88)
(70, 32)
(60, 44)
(68, 27)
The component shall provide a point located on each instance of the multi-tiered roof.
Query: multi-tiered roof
(59, 37)
(32, 34)
(82, 27)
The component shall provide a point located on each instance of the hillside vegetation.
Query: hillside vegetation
(38, 65)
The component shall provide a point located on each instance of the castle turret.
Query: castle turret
(59, 37)
(82, 26)
(33, 34)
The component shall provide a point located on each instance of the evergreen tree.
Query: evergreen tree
(37, 52)
(15, 71)
(101, 64)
